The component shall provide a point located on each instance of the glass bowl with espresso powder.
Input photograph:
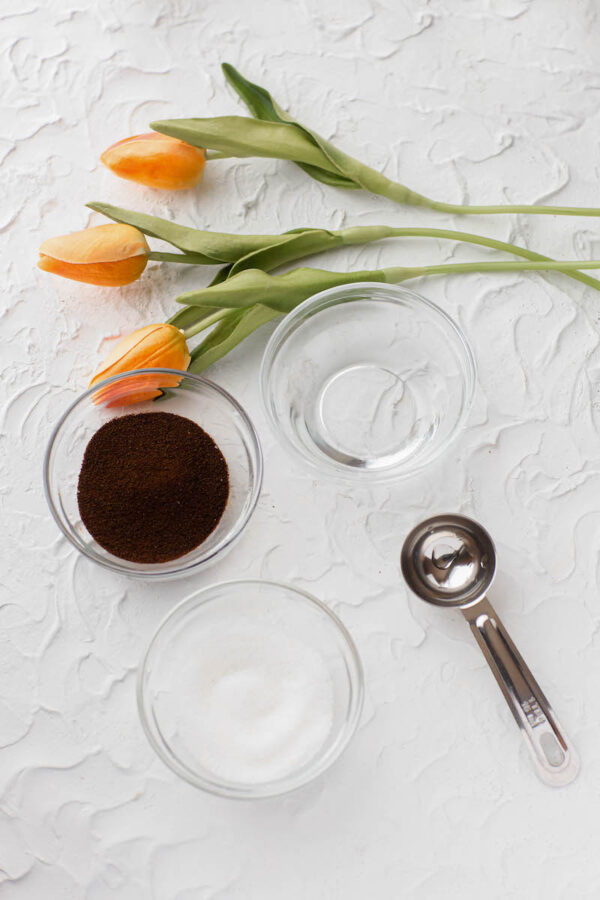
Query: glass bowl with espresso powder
(153, 484)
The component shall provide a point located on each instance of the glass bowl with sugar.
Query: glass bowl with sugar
(250, 689)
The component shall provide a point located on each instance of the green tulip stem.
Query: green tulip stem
(401, 273)
(204, 323)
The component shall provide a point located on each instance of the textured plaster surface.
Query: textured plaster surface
(435, 799)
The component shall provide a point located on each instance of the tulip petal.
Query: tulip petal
(126, 393)
(108, 255)
(158, 161)
(154, 346)
(107, 274)
(124, 350)
(104, 243)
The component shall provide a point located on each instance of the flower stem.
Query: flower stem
(204, 323)
(359, 235)
(378, 183)
(535, 210)
(216, 154)
(402, 273)
(192, 320)
(366, 234)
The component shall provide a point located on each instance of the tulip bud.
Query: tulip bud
(108, 255)
(155, 346)
(157, 161)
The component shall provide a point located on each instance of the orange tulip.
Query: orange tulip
(157, 161)
(155, 346)
(109, 255)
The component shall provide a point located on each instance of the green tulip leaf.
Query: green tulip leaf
(283, 292)
(241, 136)
(214, 246)
(280, 292)
(262, 106)
(227, 334)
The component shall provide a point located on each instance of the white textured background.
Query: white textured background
(435, 798)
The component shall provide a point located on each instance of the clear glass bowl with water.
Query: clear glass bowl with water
(367, 380)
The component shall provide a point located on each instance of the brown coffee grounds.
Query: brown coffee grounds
(152, 486)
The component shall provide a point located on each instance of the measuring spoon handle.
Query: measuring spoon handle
(554, 758)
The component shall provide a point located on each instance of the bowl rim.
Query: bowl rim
(394, 293)
(264, 790)
(171, 569)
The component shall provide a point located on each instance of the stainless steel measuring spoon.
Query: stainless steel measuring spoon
(450, 561)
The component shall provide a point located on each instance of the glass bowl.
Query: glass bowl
(367, 380)
(205, 403)
(250, 689)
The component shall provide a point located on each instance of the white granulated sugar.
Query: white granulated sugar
(253, 705)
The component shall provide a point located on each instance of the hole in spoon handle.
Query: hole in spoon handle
(553, 756)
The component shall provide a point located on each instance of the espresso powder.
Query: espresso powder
(152, 486)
